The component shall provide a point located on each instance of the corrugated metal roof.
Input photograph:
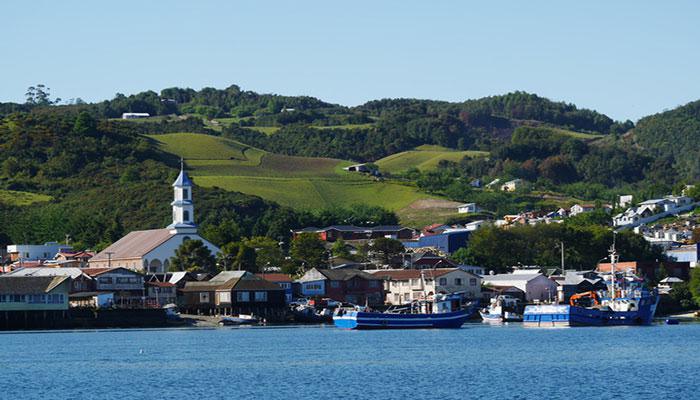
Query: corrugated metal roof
(46, 271)
(136, 244)
(29, 284)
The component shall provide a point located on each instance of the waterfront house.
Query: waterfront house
(33, 302)
(159, 294)
(405, 285)
(126, 284)
(234, 292)
(535, 285)
(80, 282)
(150, 250)
(282, 280)
(346, 285)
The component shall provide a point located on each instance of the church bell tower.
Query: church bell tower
(183, 208)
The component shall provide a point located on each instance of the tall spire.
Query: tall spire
(183, 207)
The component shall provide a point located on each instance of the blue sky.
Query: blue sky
(624, 58)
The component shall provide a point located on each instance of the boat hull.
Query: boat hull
(375, 320)
(566, 315)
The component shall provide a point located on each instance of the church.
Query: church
(149, 251)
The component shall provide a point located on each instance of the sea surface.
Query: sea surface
(477, 361)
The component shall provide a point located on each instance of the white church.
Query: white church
(149, 251)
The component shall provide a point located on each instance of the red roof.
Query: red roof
(160, 284)
(276, 277)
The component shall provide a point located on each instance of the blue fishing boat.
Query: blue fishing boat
(444, 311)
(625, 303)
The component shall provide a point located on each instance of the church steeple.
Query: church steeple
(183, 208)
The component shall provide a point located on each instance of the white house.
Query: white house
(151, 250)
(581, 208)
(467, 208)
(402, 286)
(34, 252)
(512, 186)
(625, 200)
(132, 115)
(537, 287)
(651, 210)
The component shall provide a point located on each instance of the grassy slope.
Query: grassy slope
(298, 182)
(424, 158)
(15, 198)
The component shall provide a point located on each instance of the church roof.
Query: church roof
(182, 179)
(136, 244)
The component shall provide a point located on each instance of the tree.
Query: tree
(245, 258)
(225, 259)
(267, 250)
(340, 249)
(193, 256)
(387, 249)
(39, 95)
(694, 285)
(308, 248)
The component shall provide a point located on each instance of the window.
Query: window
(458, 281)
(394, 284)
(2, 298)
(122, 280)
(204, 297)
(443, 281)
(185, 194)
(373, 284)
(242, 296)
(105, 279)
(404, 283)
(312, 286)
(36, 298)
(414, 282)
(17, 298)
(472, 282)
(396, 298)
(260, 296)
(55, 299)
(335, 284)
(225, 297)
(186, 216)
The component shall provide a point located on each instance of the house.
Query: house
(489, 292)
(512, 186)
(346, 285)
(358, 168)
(474, 269)
(447, 242)
(467, 208)
(351, 232)
(67, 258)
(535, 285)
(159, 294)
(652, 210)
(666, 284)
(624, 200)
(578, 282)
(433, 229)
(126, 284)
(35, 252)
(685, 253)
(282, 280)
(134, 115)
(405, 285)
(235, 292)
(577, 209)
(650, 269)
(79, 282)
(34, 293)
(476, 183)
(427, 259)
(150, 250)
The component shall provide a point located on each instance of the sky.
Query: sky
(626, 59)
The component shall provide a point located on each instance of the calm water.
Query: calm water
(476, 361)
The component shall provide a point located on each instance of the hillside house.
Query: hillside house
(35, 252)
(512, 186)
(467, 208)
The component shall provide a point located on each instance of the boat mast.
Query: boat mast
(613, 260)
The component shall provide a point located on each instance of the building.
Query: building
(135, 115)
(536, 286)
(512, 186)
(159, 294)
(406, 285)
(79, 259)
(685, 253)
(80, 282)
(126, 284)
(235, 292)
(150, 250)
(447, 242)
(578, 282)
(34, 293)
(624, 200)
(35, 252)
(282, 280)
(652, 210)
(351, 232)
(467, 208)
(346, 285)
(650, 269)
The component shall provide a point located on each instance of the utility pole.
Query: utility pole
(109, 259)
(562, 256)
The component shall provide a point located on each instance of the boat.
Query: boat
(672, 321)
(310, 314)
(241, 319)
(503, 308)
(628, 304)
(443, 311)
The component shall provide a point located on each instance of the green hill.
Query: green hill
(298, 182)
(425, 157)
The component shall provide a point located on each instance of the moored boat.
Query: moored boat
(630, 303)
(444, 311)
(241, 319)
(503, 308)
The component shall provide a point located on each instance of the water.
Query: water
(476, 361)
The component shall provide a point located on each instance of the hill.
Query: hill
(298, 182)
(424, 158)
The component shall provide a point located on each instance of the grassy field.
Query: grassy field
(15, 198)
(348, 126)
(424, 158)
(577, 135)
(299, 182)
